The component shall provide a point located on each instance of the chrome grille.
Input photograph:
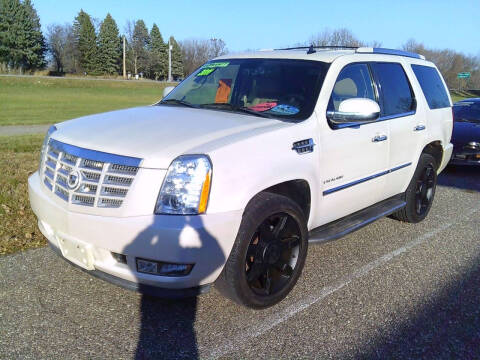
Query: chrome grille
(103, 179)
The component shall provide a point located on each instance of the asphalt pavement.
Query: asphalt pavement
(12, 130)
(389, 290)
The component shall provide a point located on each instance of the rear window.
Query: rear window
(397, 95)
(432, 86)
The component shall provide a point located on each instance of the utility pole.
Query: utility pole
(124, 60)
(169, 61)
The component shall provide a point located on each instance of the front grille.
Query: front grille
(103, 179)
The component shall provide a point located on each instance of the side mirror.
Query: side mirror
(354, 111)
(167, 90)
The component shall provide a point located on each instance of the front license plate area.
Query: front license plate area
(77, 253)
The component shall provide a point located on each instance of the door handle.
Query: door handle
(379, 138)
(419, 127)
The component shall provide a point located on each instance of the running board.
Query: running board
(355, 221)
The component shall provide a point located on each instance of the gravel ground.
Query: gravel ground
(390, 290)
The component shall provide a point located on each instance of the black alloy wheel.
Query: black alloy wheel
(424, 190)
(420, 191)
(269, 252)
(272, 254)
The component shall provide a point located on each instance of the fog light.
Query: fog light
(161, 268)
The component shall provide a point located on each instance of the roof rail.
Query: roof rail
(369, 50)
(335, 47)
(358, 49)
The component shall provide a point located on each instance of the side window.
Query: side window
(397, 95)
(354, 81)
(432, 86)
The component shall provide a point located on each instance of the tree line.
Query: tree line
(81, 48)
(449, 62)
(93, 47)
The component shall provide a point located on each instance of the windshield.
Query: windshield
(278, 88)
(467, 111)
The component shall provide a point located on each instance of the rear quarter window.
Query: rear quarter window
(432, 86)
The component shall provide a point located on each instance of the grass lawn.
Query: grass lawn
(25, 100)
(19, 158)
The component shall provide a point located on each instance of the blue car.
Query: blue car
(466, 132)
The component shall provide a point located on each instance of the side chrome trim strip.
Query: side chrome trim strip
(359, 181)
(389, 117)
(96, 155)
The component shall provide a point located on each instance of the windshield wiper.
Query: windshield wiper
(178, 102)
(253, 112)
(233, 108)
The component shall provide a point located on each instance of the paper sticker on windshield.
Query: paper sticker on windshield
(216, 64)
(263, 106)
(206, 72)
(284, 109)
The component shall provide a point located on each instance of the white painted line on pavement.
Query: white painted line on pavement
(236, 343)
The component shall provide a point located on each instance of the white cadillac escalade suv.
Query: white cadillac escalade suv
(230, 177)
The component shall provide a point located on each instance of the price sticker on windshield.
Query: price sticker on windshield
(206, 72)
(216, 65)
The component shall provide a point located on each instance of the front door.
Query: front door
(353, 159)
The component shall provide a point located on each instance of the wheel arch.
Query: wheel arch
(435, 149)
(297, 190)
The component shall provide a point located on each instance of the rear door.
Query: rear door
(407, 126)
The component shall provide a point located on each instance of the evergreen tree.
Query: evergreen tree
(35, 46)
(85, 42)
(9, 32)
(22, 45)
(140, 45)
(177, 62)
(158, 68)
(109, 47)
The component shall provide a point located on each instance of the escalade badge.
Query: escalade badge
(73, 179)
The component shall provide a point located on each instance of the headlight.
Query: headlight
(186, 187)
(50, 131)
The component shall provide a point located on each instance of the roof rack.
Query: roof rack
(361, 50)
(369, 50)
(321, 47)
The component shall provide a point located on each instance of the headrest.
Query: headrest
(345, 87)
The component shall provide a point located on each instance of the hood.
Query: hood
(465, 132)
(158, 134)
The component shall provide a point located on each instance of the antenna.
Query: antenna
(311, 50)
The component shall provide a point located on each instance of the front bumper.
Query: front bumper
(465, 158)
(203, 240)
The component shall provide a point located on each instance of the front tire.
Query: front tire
(420, 192)
(269, 252)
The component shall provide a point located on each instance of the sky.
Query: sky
(266, 24)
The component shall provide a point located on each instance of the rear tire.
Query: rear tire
(420, 192)
(269, 252)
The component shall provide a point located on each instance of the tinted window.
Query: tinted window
(396, 92)
(432, 86)
(354, 81)
(283, 89)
